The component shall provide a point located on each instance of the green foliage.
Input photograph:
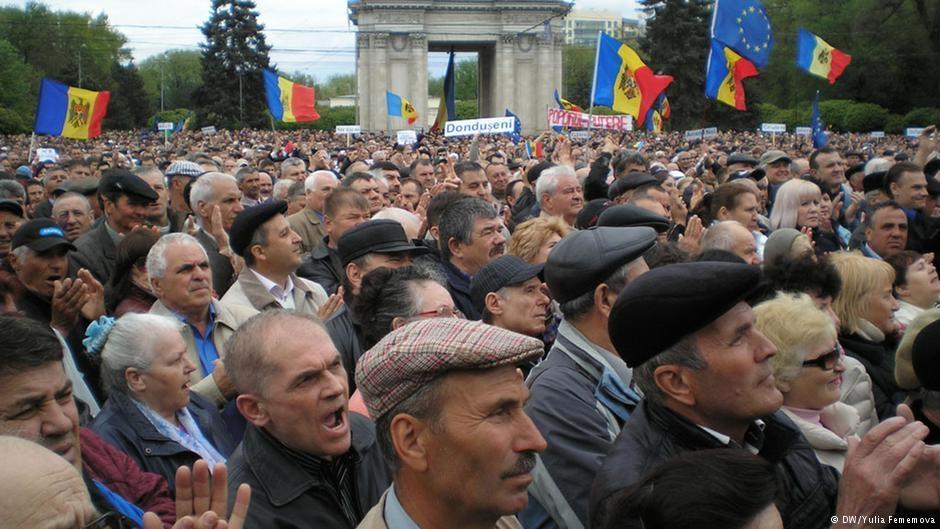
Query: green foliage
(922, 117)
(865, 117)
(329, 119)
(435, 86)
(181, 71)
(894, 124)
(233, 58)
(130, 105)
(578, 65)
(337, 85)
(465, 80)
(173, 116)
(676, 43)
(467, 109)
(17, 99)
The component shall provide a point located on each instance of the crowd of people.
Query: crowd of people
(300, 329)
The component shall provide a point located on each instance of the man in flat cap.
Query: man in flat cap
(631, 215)
(708, 382)
(124, 199)
(622, 189)
(310, 462)
(777, 166)
(379, 243)
(262, 236)
(581, 392)
(448, 399)
(509, 293)
(11, 217)
(179, 174)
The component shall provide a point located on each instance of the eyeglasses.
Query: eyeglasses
(443, 311)
(110, 520)
(827, 361)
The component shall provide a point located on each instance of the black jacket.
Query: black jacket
(879, 364)
(654, 434)
(223, 275)
(347, 337)
(595, 185)
(458, 284)
(285, 496)
(123, 426)
(923, 234)
(323, 266)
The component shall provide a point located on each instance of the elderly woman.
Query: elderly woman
(903, 368)
(916, 285)
(534, 238)
(865, 307)
(151, 414)
(797, 206)
(808, 369)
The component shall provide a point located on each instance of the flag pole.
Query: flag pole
(597, 58)
(32, 142)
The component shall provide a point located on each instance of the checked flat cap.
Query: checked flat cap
(413, 355)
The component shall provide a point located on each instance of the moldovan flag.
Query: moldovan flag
(399, 106)
(724, 76)
(70, 112)
(623, 82)
(288, 101)
(817, 57)
(565, 104)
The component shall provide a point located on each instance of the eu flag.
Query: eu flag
(743, 26)
(820, 138)
(516, 134)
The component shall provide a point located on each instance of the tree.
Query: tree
(465, 80)
(336, 85)
(129, 106)
(17, 102)
(181, 72)
(233, 59)
(578, 65)
(676, 43)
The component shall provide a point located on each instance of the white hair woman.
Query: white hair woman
(151, 414)
(808, 371)
(797, 205)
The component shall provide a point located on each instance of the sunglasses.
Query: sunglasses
(110, 520)
(827, 361)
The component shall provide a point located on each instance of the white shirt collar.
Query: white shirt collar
(726, 440)
(284, 296)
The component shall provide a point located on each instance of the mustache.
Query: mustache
(524, 465)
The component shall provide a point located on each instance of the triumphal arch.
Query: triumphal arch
(519, 43)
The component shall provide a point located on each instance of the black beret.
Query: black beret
(127, 183)
(664, 305)
(588, 215)
(504, 271)
(740, 157)
(627, 215)
(629, 181)
(376, 236)
(873, 181)
(249, 220)
(583, 259)
(857, 168)
(925, 356)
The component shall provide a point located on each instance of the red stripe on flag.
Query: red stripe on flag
(98, 110)
(303, 103)
(650, 88)
(839, 61)
(743, 69)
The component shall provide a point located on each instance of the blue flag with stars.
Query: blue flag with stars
(516, 134)
(820, 138)
(743, 26)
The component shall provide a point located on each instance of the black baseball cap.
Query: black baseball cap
(11, 206)
(40, 235)
(504, 271)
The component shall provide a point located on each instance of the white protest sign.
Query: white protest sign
(693, 135)
(913, 132)
(407, 137)
(775, 128)
(709, 133)
(559, 117)
(348, 129)
(47, 155)
(804, 131)
(165, 125)
(469, 127)
(208, 130)
(580, 135)
(878, 134)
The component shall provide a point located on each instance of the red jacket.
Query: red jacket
(117, 471)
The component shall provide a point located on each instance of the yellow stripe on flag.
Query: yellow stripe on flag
(821, 58)
(627, 95)
(287, 91)
(726, 92)
(78, 114)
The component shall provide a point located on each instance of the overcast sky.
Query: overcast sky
(310, 36)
